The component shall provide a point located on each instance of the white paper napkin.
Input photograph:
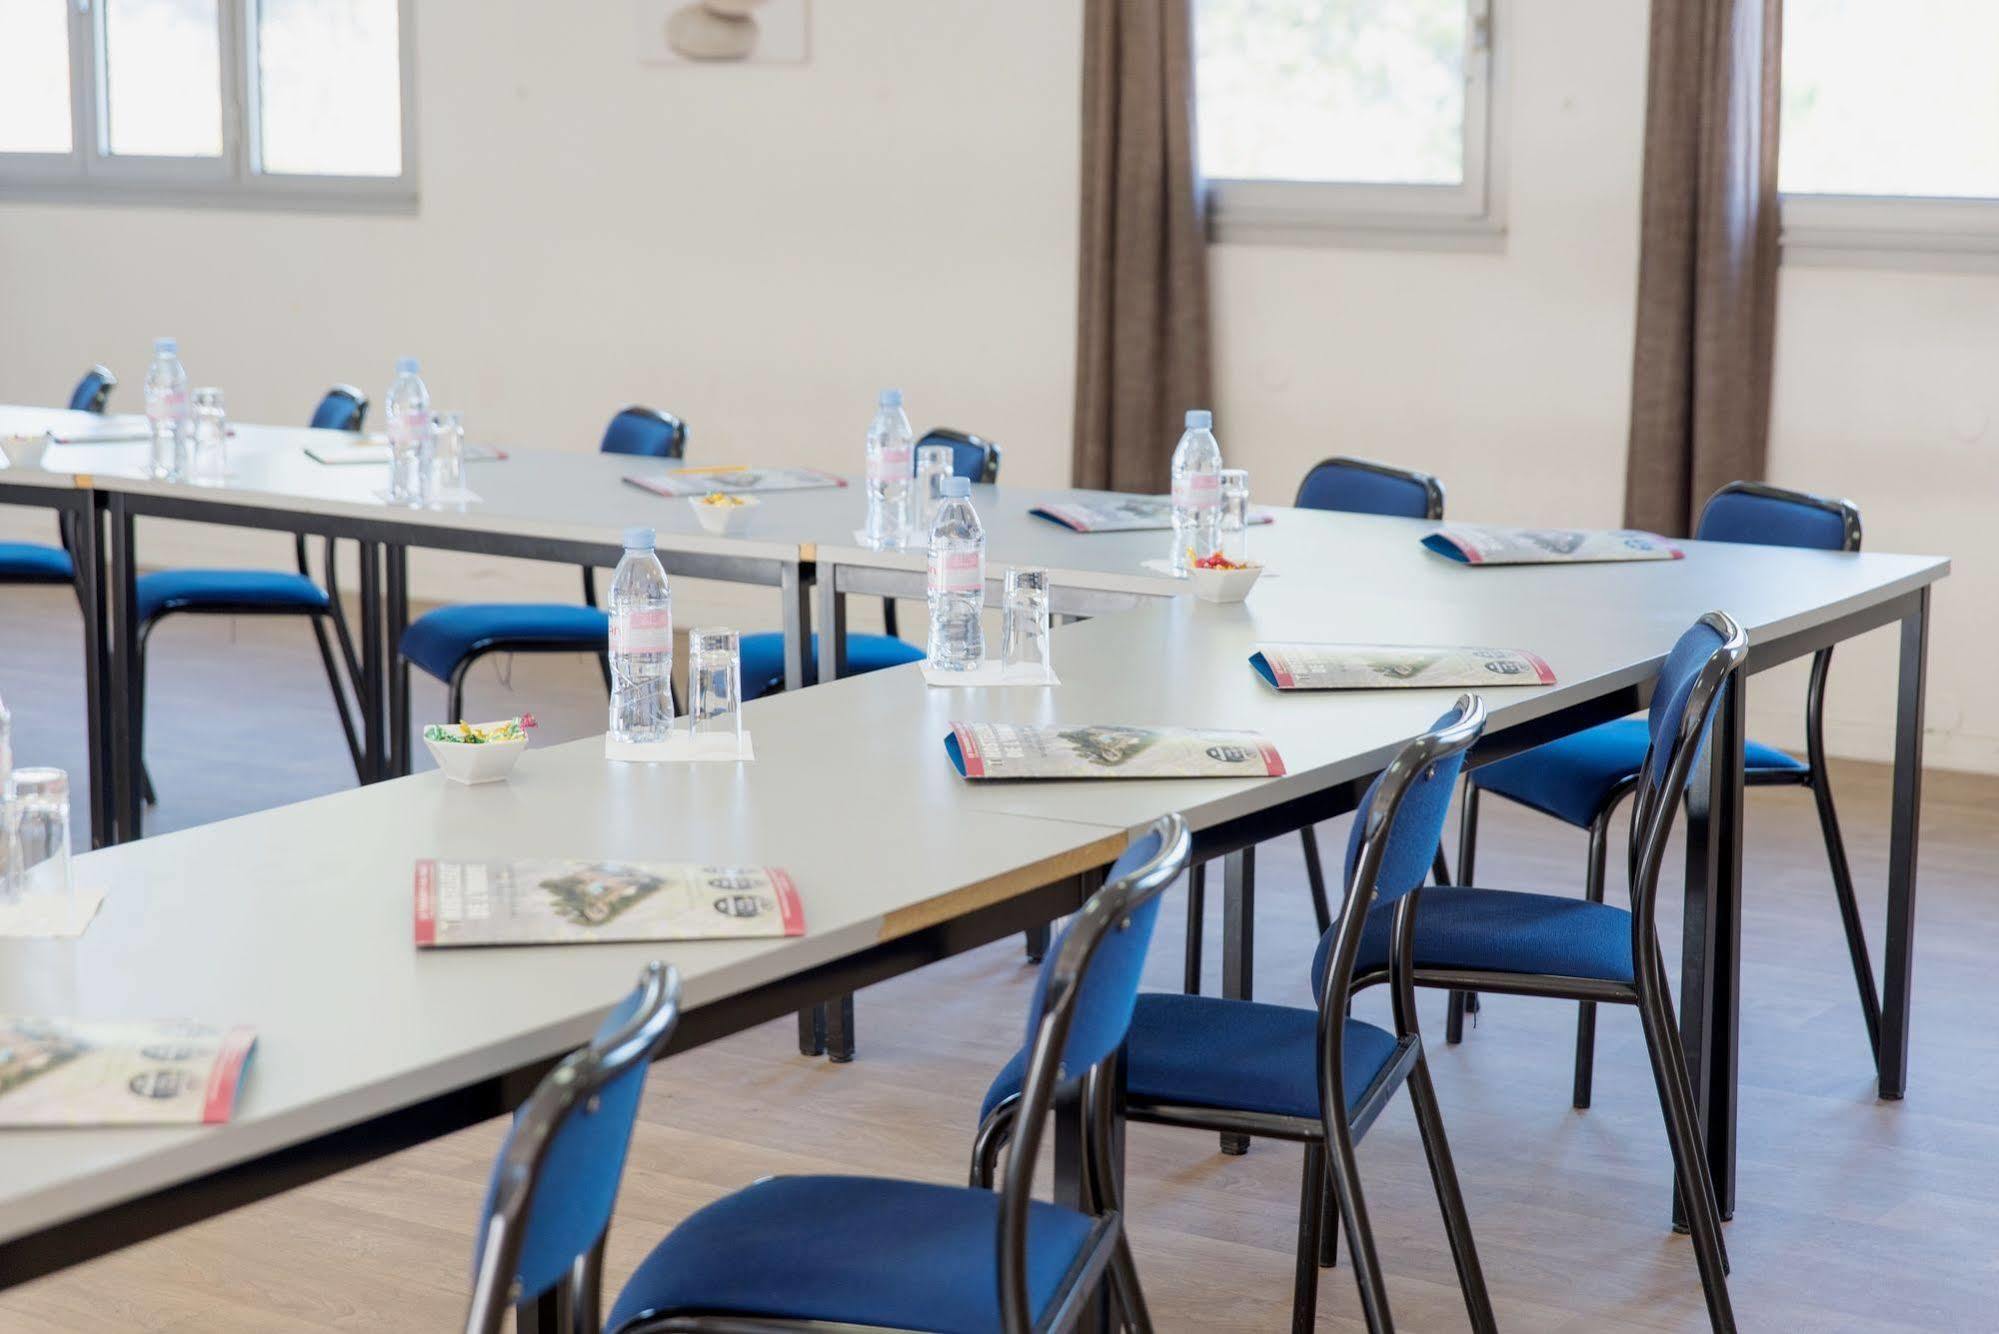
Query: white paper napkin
(49, 916)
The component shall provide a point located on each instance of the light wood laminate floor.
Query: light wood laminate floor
(1853, 1214)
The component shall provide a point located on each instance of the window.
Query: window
(283, 102)
(1359, 120)
(1890, 127)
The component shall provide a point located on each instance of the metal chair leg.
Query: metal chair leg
(1315, 878)
(1305, 1277)
(1197, 912)
(347, 726)
(1461, 1001)
(138, 708)
(1124, 1286)
(1599, 855)
(994, 1132)
(1360, 1237)
(1329, 1223)
(1444, 1175)
(1849, 909)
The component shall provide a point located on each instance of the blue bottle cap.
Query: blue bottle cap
(406, 366)
(955, 487)
(171, 345)
(890, 398)
(1200, 419)
(638, 539)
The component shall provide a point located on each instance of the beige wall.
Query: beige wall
(595, 232)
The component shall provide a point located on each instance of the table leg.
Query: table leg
(125, 744)
(1892, 1059)
(832, 625)
(87, 550)
(1711, 939)
(1238, 946)
(797, 612)
(373, 720)
(397, 590)
(826, 1028)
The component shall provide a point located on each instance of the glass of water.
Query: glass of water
(1024, 624)
(447, 460)
(933, 464)
(210, 461)
(715, 689)
(1235, 515)
(36, 822)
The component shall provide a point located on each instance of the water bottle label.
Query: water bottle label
(1197, 491)
(170, 404)
(642, 632)
(891, 464)
(957, 572)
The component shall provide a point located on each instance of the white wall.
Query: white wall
(595, 232)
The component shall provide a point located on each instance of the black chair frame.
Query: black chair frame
(1329, 1189)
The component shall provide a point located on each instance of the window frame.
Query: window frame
(1465, 216)
(90, 173)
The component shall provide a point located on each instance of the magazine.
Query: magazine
(732, 480)
(1395, 666)
(1473, 545)
(1099, 750)
(76, 1072)
(558, 902)
(1121, 514)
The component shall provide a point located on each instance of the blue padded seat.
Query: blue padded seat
(1501, 931)
(1208, 1051)
(1572, 777)
(224, 590)
(763, 659)
(438, 641)
(860, 1250)
(33, 563)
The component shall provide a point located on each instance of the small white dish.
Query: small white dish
(24, 451)
(480, 762)
(1225, 585)
(723, 520)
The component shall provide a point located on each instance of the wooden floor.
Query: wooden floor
(1853, 1214)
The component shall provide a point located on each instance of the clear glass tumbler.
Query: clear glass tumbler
(210, 449)
(933, 464)
(1235, 515)
(1024, 647)
(714, 689)
(447, 459)
(37, 822)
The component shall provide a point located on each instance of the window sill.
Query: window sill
(1358, 232)
(304, 195)
(1934, 235)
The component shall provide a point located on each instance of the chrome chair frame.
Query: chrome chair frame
(1330, 1183)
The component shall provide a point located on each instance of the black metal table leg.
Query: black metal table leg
(121, 694)
(829, 1026)
(1238, 945)
(87, 550)
(1892, 1059)
(397, 591)
(373, 710)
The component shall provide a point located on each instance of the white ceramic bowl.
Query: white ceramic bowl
(724, 520)
(485, 762)
(1225, 585)
(24, 451)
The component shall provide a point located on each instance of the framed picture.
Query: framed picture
(721, 32)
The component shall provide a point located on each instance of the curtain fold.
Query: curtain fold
(1707, 271)
(1142, 345)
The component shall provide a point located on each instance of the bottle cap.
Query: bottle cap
(890, 398)
(959, 488)
(1199, 419)
(638, 539)
(406, 366)
(167, 345)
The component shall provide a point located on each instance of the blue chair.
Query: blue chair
(1581, 779)
(1585, 950)
(93, 389)
(976, 460)
(1312, 1076)
(165, 593)
(824, 1252)
(445, 643)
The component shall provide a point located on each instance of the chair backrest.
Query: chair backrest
(1361, 486)
(645, 431)
(1082, 1006)
(343, 408)
(549, 1201)
(1756, 512)
(973, 458)
(91, 391)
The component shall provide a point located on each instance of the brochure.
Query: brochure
(76, 1072)
(1121, 514)
(377, 451)
(1472, 545)
(1101, 750)
(1395, 666)
(560, 903)
(732, 480)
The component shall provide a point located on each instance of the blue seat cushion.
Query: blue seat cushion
(226, 590)
(438, 641)
(33, 563)
(860, 1250)
(1500, 931)
(1571, 778)
(1208, 1051)
(763, 659)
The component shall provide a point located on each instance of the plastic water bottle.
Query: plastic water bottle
(641, 643)
(891, 470)
(957, 581)
(408, 406)
(1197, 492)
(167, 411)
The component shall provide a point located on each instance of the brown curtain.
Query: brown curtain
(1707, 270)
(1142, 325)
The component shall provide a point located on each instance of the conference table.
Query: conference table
(297, 920)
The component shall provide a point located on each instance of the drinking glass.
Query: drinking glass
(1235, 515)
(714, 689)
(447, 460)
(1024, 624)
(37, 825)
(933, 464)
(210, 462)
